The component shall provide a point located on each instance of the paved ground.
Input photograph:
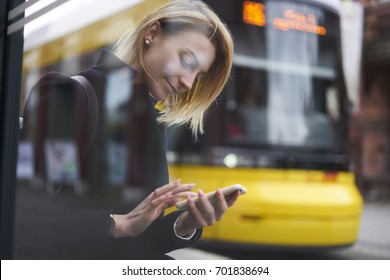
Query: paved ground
(373, 242)
(374, 235)
(196, 254)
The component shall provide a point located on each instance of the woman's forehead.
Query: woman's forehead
(194, 42)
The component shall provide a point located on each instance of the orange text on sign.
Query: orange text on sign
(298, 21)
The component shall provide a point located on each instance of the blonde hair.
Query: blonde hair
(188, 107)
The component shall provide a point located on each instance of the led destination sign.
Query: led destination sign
(255, 14)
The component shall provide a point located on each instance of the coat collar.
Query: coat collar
(107, 62)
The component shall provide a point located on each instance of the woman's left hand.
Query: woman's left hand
(203, 213)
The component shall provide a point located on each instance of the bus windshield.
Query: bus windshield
(284, 89)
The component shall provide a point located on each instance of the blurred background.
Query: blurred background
(303, 124)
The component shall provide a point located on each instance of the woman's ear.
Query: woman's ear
(153, 31)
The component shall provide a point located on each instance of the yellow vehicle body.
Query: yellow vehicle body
(282, 207)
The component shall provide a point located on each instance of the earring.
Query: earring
(147, 42)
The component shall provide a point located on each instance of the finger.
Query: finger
(232, 198)
(175, 187)
(183, 188)
(161, 201)
(185, 194)
(221, 205)
(206, 208)
(170, 202)
(166, 188)
(193, 194)
(195, 213)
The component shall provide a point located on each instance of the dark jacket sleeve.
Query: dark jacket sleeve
(168, 241)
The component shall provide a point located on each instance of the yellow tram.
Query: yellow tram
(280, 130)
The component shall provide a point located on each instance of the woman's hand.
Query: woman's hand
(139, 219)
(203, 213)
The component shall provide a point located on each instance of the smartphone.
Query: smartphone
(183, 205)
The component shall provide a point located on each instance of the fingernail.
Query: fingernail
(190, 186)
(193, 194)
(201, 193)
(177, 181)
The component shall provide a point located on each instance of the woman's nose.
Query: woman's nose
(187, 80)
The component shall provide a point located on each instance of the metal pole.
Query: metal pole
(11, 56)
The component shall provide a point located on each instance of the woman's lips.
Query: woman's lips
(172, 88)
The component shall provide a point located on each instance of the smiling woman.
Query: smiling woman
(172, 63)
(180, 55)
(193, 34)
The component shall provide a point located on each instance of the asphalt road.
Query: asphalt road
(373, 243)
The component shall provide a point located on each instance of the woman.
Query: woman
(179, 56)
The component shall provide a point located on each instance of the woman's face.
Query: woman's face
(173, 62)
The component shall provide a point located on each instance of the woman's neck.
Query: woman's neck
(138, 79)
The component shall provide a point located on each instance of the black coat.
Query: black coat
(50, 228)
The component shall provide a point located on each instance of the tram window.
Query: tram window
(284, 91)
(246, 108)
(256, 114)
(249, 41)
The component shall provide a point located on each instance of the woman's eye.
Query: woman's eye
(188, 61)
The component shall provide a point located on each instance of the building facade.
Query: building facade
(370, 131)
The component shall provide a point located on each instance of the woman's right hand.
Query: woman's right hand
(139, 219)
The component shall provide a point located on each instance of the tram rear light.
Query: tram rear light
(330, 176)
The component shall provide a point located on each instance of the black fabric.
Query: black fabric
(50, 228)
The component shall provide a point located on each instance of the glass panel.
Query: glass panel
(82, 149)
